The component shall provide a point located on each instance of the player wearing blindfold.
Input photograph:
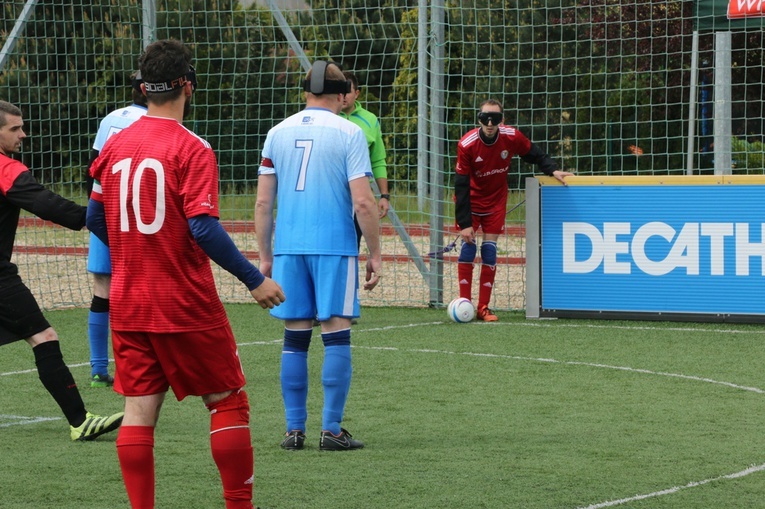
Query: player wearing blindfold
(483, 162)
(155, 204)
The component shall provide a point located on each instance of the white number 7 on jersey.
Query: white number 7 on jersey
(306, 146)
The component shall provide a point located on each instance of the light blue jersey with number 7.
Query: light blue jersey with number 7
(314, 155)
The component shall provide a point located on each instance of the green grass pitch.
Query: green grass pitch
(514, 414)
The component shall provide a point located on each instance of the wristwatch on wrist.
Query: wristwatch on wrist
(386, 196)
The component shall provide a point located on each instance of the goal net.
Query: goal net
(606, 88)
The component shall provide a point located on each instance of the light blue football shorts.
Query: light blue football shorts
(99, 259)
(317, 286)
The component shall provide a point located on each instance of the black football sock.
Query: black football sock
(58, 380)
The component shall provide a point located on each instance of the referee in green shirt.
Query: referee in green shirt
(371, 127)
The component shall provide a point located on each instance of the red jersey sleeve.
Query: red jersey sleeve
(199, 186)
(10, 169)
(464, 165)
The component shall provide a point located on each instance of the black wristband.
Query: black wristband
(386, 196)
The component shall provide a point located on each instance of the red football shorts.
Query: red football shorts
(492, 222)
(192, 363)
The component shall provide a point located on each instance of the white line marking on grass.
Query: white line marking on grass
(255, 343)
(22, 372)
(407, 326)
(20, 420)
(27, 371)
(550, 324)
(575, 363)
(675, 489)
(611, 503)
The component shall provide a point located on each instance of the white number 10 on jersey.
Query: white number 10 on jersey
(123, 168)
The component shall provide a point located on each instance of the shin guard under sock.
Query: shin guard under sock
(335, 378)
(231, 448)
(98, 336)
(58, 380)
(294, 377)
(135, 450)
(465, 275)
(465, 269)
(488, 271)
(487, 284)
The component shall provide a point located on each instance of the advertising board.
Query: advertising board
(690, 247)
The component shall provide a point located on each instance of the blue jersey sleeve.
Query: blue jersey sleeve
(214, 241)
(95, 220)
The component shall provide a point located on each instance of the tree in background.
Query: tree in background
(69, 69)
(586, 79)
(240, 68)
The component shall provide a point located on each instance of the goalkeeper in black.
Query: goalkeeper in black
(20, 316)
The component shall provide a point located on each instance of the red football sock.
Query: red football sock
(135, 450)
(231, 448)
(487, 284)
(465, 275)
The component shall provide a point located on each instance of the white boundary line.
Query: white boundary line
(27, 371)
(571, 363)
(22, 420)
(675, 489)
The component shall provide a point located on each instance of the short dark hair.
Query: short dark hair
(138, 97)
(7, 108)
(352, 77)
(164, 61)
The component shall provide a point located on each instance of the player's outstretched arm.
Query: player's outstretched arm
(95, 220)
(30, 195)
(546, 164)
(214, 241)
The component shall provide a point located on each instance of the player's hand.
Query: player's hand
(269, 294)
(374, 273)
(468, 235)
(561, 175)
(383, 206)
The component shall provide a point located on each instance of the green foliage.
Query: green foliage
(585, 81)
(748, 157)
(241, 70)
(79, 60)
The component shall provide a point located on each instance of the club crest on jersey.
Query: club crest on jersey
(504, 154)
(207, 203)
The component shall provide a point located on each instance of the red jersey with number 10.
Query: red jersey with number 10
(487, 166)
(152, 177)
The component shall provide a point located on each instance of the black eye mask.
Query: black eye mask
(485, 116)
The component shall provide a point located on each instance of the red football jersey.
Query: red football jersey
(152, 177)
(488, 165)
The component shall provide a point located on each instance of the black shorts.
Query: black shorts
(20, 316)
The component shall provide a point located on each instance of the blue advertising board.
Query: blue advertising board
(690, 245)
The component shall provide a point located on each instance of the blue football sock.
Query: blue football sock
(294, 377)
(336, 379)
(98, 337)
